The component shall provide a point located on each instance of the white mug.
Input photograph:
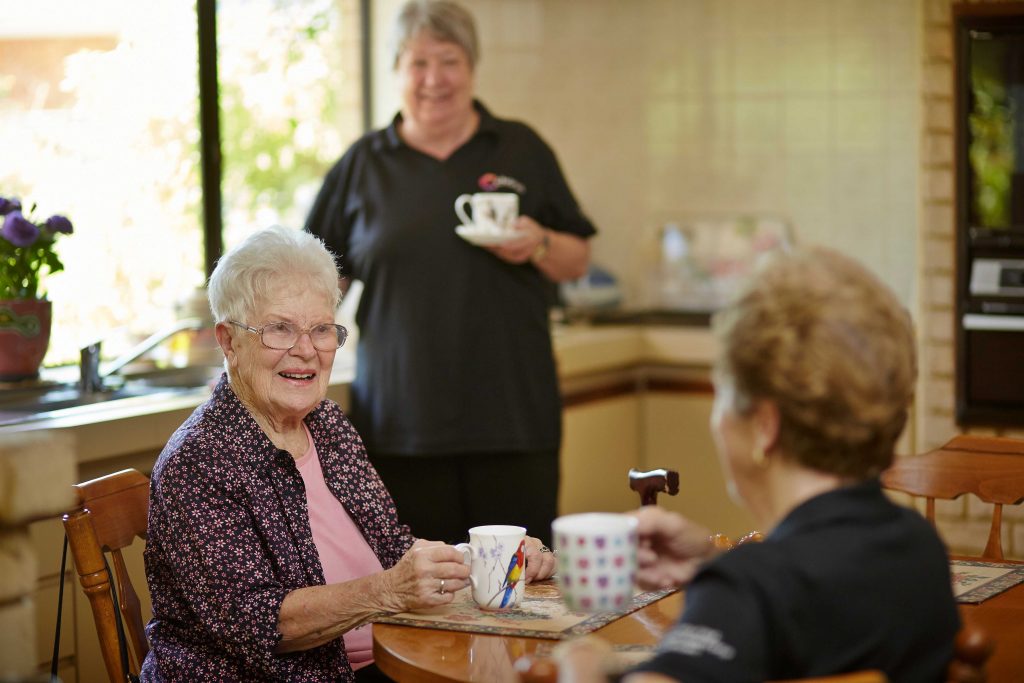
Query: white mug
(492, 211)
(496, 555)
(596, 560)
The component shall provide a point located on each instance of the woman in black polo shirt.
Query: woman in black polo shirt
(455, 393)
(813, 381)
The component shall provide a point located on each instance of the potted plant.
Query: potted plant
(26, 256)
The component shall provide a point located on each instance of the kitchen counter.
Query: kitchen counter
(584, 354)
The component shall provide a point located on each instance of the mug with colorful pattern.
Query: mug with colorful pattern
(596, 560)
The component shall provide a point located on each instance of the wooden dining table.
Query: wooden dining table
(1001, 617)
(412, 654)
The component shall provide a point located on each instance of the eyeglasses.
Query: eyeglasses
(283, 336)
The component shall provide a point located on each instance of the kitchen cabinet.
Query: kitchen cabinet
(601, 442)
(646, 428)
(676, 436)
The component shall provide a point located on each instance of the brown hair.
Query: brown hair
(825, 340)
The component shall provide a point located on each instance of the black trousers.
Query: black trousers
(442, 496)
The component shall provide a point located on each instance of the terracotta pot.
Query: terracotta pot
(24, 336)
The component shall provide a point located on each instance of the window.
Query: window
(99, 120)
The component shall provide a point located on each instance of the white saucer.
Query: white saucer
(484, 238)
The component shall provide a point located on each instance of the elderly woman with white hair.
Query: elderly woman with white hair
(271, 540)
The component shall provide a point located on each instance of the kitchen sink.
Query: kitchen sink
(44, 401)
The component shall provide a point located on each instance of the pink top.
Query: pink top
(344, 553)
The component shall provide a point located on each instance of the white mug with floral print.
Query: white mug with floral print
(496, 555)
(596, 560)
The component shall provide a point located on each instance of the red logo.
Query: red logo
(490, 182)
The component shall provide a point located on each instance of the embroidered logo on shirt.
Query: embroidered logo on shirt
(692, 640)
(492, 181)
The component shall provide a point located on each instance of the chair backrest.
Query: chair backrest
(111, 513)
(991, 468)
(870, 676)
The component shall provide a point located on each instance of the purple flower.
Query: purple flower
(57, 223)
(8, 205)
(18, 230)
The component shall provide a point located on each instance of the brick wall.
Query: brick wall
(964, 523)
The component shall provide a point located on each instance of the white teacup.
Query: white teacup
(491, 211)
(496, 555)
(596, 560)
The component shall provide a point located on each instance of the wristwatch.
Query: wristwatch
(542, 249)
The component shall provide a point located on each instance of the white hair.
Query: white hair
(252, 271)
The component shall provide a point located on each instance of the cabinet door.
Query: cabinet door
(676, 436)
(599, 445)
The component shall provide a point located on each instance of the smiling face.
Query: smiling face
(436, 81)
(280, 386)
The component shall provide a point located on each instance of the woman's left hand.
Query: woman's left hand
(540, 561)
(522, 248)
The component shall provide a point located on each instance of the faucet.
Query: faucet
(91, 379)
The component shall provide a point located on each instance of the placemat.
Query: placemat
(542, 614)
(975, 580)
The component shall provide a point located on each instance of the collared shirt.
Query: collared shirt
(454, 350)
(848, 581)
(229, 538)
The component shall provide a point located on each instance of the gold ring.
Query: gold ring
(442, 587)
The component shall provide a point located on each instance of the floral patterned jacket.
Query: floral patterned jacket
(229, 537)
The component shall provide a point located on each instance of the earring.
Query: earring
(757, 455)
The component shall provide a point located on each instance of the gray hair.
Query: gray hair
(251, 272)
(444, 20)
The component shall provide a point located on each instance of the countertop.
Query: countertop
(128, 426)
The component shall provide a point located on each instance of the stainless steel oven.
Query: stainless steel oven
(991, 344)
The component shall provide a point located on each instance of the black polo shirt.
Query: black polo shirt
(848, 581)
(454, 347)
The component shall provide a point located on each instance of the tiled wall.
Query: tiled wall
(664, 109)
(964, 522)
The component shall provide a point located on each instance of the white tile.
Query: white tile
(806, 65)
(758, 125)
(806, 124)
(759, 60)
(858, 16)
(858, 63)
(810, 17)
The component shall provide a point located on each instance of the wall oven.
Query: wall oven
(989, 158)
(992, 343)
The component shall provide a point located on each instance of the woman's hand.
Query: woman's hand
(670, 550)
(519, 250)
(416, 581)
(540, 561)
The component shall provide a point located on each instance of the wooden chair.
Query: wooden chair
(111, 512)
(870, 676)
(991, 468)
